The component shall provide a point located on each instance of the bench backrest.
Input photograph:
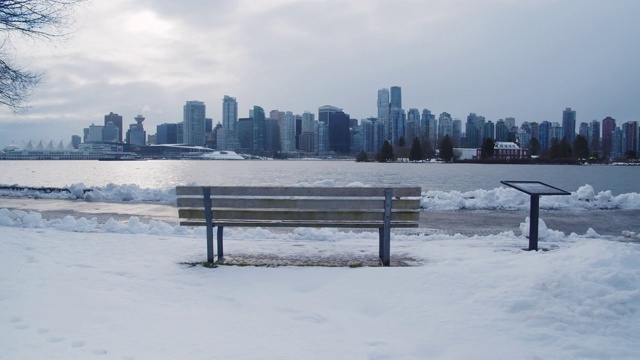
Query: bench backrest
(327, 204)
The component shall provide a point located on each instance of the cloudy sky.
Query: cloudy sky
(497, 58)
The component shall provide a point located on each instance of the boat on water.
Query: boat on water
(221, 155)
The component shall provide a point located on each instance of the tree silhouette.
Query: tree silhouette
(446, 149)
(44, 19)
(416, 151)
(487, 149)
(386, 152)
(580, 147)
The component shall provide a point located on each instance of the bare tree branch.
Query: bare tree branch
(45, 19)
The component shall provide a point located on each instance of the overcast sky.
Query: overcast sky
(498, 58)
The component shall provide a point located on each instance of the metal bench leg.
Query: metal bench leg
(385, 232)
(208, 215)
(220, 250)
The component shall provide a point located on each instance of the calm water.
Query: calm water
(445, 177)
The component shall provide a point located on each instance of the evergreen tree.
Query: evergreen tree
(487, 149)
(446, 149)
(427, 148)
(402, 142)
(534, 146)
(580, 147)
(416, 151)
(564, 149)
(362, 156)
(386, 152)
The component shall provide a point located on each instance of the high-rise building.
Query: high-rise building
(396, 97)
(338, 128)
(489, 130)
(544, 131)
(569, 125)
(412, 126)
(431, 126)
(244, 131)
(594, 136)
(456, 131)
(384, 111)
(630, 136)
(229, 113)
(397, 117)
(583, 130)
(288, 133)
(502, 131)
(608, 125)
(167, 134)
(110, 133)
(259, 131)
(117, 122)
(557, 132)
(306, 140)
(136, 134)
(445, 126)
(193, 123)
(617, 143)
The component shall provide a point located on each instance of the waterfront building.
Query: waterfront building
(75, 141)
(306, 139)
(397, 118)
(288, 133)
(557, 132)
(272, 135)
(510, 122)
(617, 144)
(608, 125)
(93, 134)
(630, 136)
(489, 130)
(167, 134)
(396, 97)
(505, 150)
(110, 133)
(193, 123)
(502, 131)
(383, 111)
(227, 138)
(583, 130)
(136, 134)
(544, 131)
(337, 123)
(445, 126)
(594, 136)
(569, 125)
(412, 126)
(244, 131)
(456, 131)
(117, 122)
(259, 132)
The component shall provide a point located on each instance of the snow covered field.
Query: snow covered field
(75, 288)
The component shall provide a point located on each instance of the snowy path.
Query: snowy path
(73, 295)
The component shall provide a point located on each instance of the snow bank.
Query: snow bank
(511, 199)
(496, 199)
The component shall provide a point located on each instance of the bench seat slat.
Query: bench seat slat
(318, 224)
(301, 215)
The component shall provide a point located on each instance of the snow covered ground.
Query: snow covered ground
(72, 288)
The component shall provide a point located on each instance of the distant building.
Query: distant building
(608, 125)
(569, 125)
(136, 134)
(337, 123)
(383, 112)
(117, 122)
(167, 134)
(193, 123)
(506, 151)
(110, 133)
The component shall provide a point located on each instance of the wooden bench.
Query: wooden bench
(333, 207)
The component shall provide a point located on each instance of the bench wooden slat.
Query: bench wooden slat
(298, 191)
(317, 224)
(293, 214)
(298, 203)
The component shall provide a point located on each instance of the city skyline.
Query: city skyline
(527, 60)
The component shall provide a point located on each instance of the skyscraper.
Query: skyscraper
(594, 136)
(193, 123)
(136, 134)
(383, 111)
(338, 128)
(608, 125)
(227, 138)
(117, 122)
(569, 125)
(259, 130)
(396, 97)
(229, 113)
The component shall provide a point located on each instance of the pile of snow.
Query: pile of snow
(511, 199)
(76, 288)
(500, 198)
